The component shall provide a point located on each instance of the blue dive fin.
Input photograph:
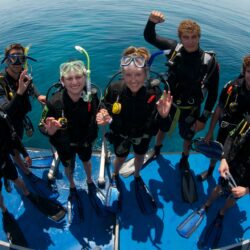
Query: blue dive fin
(191, 223)
(112, 201)
(144, 198)
(188, 186)
(75, 208)
(13, 231)
(97, 199)
(213, 233)
(42, 187)
(44, 162)
(212, 150)
(53, 209)
(128, 167)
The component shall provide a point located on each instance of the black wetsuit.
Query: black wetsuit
(81, 128)
(17, 106)
(138, 119)
(9, 140)
(235, 103)
(237, 154)
(185, 78)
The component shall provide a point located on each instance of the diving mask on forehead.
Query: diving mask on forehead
(74, 66)
(139, 61)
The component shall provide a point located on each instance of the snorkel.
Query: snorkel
(87, 97)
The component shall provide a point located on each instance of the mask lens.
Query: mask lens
(17, 59)
(139, 61)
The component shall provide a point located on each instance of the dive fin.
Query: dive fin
(13, 231)
(213, 233)
(41, 187)
(188, 185)
(54, 210)
(75, 208)
(112, 201)
(144, 198)
(191, 223)
(128, 167)
(212, 150)
(97, 199)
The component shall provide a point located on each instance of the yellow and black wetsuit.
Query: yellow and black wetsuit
(80, 130)
(138, 119)
(188, 76)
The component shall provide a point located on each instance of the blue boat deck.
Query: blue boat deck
(136, 231)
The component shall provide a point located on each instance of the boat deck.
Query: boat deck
(136, 230)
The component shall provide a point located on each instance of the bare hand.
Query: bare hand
(164, 104)
(156, 17)
(103, 117)
(23, 83)
(42, 99)
(223, 169)
(52, 125)
(239, 191)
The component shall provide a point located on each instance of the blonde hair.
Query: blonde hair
(140, 51)
(246, 63)
(188, 25)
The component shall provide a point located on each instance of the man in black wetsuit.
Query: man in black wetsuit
(192, 74)
(234, 104)
(15, 99)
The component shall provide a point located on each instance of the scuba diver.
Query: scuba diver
(16, 88)
(193, 76)
(234, 104)
(68, 119)
(134, 110)
(9, 140)
(234, 182)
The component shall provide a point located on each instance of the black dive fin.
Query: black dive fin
(212, 234)
(13, 231)
(112, 201)
(97, 199)
(128, 167)
(191, 223)
(42, 187)
(54, 210)
(75, 208)
(144, 198)
(188, 186)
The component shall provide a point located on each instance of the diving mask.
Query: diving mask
(77, 67)
(139, 61)
(17, 59)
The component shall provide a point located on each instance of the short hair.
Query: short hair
(137, 51)
(188, 25)
(16, 46)
(246, 63)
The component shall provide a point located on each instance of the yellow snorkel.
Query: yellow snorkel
(26, 51)
(87, 97)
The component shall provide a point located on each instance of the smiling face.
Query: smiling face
(74, 84)
(134, 77)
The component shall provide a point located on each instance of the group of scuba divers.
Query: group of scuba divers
(136, 109)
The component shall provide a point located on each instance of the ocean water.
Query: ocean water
(106, 27)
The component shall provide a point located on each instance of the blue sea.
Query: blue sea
(106, 27)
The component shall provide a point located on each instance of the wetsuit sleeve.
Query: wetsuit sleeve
(34, 91)
(212, 87)
(227, 147)
(10, 107)
(159, 42)
(107, 100)
(223, 97)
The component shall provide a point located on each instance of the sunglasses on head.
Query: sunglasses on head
(17, 59)
(139, 61)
